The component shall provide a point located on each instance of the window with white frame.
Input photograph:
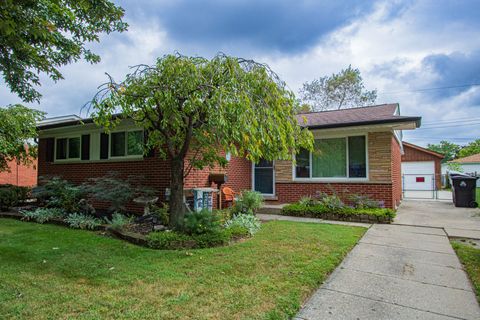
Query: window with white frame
(126, 143)
(344, 157)
(67, 148)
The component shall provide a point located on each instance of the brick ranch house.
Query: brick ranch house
(356, 151)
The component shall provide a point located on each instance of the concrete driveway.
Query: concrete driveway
(457, 222)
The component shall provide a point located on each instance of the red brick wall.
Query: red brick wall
(152, 172)
(396, 173)
(20, 175)
(291, 192)
(412, 154)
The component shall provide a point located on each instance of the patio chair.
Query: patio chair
(229, 196)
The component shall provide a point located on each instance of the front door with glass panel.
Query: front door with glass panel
(263, 177)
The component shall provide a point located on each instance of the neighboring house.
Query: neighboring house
(20, 174)
(470, 164)
(356, 151)
(421, 168)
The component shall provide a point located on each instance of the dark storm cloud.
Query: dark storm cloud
(284, 26)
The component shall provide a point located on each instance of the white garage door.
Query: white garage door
(418, 175)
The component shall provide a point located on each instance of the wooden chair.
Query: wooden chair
(229, 196)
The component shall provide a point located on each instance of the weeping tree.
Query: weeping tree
(193, 108)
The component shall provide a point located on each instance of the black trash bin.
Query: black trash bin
(463, 188)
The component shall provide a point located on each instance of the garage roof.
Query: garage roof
(414, 146)
(475, 158)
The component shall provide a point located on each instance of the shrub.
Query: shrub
(247, 221)
(330, 201)
(364, 202)
(115, 190)
(237, 232)
(118, 221)
(216, 238)
(248, 202)
(42, 215)
(82, 221)
(59, 193)
(320, 211)
(201, 222)
(224, 215)
(169, 240)
(8, 198)
(161, 213)
(307, 201)
(23, 193)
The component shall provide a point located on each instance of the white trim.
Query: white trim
(336, 179)
(273, 180)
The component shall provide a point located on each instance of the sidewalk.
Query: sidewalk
(396, 272)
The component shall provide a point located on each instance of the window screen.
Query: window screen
(302, 169)
(357, 162)
(118, 144)
(61, 149)
(73, 148)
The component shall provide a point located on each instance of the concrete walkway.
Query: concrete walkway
(396, 272)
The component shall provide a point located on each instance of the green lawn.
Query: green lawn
(478, 195)
(470, 258)
(50, 272)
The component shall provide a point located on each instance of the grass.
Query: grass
(50, 272)
(470, 258)
(478, 196)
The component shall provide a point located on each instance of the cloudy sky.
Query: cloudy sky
(424, 55)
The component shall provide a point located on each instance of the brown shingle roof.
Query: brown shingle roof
(384, 113)
(470, 159)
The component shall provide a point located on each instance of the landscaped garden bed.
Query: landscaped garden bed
(330, 207)
(59, 202)
(53, 272)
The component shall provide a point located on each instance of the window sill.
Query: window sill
(331, 180)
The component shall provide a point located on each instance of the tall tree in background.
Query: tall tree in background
(17, 127)
(448, 149)
(470, 149)
(191, 108)
(341, 90)
(39, 36)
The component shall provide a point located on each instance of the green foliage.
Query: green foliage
(321, 211)
(360, 201)
(248, 202)
(470, 258)
(59, 193)
(161, 213)
(238, 232)
(8, 198)
(448, 149)
(195, 106)
(118, 221)
(224, 214)
(341, 90)
(454, 166)
(332, 202)
(42, 36)
(17, 129)
(307, 201)
(42, 215)
(116, 190)
(470, 149)
(247, 221)
(171, 240)
(82, 221)
(201, 222)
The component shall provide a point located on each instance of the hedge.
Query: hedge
(381, 215)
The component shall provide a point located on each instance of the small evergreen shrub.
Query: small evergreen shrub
(201, 222)
(42, 215)
(8, 198)
(248, 202)
(247, 221)
(82, 221)
(118, 221)
(161, 213)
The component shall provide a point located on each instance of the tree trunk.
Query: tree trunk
(177, 207)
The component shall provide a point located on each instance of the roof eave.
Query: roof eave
(416, 121)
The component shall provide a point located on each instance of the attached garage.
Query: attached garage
(421, 170)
